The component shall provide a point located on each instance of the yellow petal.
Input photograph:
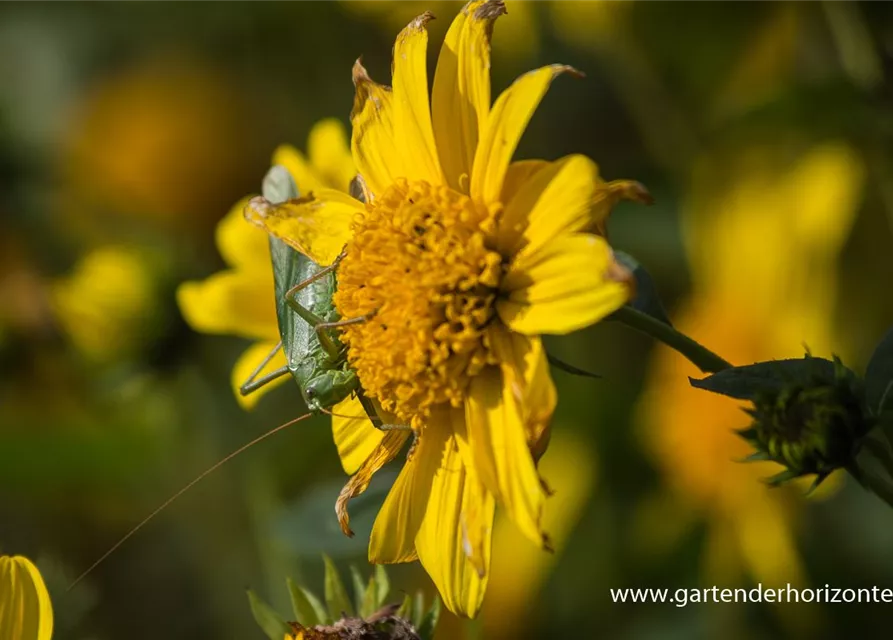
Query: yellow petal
(306, 178)
(505, 124)
(390, 446)
(497, 440)
(609, 195)
(461, 94)
(454, 539)
(241, 244)
(555, 200)
(525, 367)
(318, 225)
(232, 303)
(567, 285)
(373, 142)
(248, 362)
(412, 111)
(354, 434)
(330, 154)
(26, 612)
(395, 528)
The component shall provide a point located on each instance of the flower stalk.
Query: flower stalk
(699, 355)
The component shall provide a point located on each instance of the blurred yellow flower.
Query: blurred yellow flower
(763, 232)
(108, 305)
(240, 301)
(26, 612)
(154, 141)
(463, 258)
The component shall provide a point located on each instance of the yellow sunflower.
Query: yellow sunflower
(240, 301)
(26, 612)
(452, 266)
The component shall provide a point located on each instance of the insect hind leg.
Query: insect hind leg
(253, 383)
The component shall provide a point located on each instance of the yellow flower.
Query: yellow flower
(763, 240)
(25, 609)
(240, 301)
(456, 262)
(108, 305)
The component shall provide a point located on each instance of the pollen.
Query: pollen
(420, 269)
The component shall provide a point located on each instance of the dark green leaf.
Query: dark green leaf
(879, 374)
(647, 299)
(309, 611)
(270, 621)
(336, 595)
(744, 383)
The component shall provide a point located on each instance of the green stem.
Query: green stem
(699, 355)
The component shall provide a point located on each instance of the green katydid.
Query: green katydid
(307, 318)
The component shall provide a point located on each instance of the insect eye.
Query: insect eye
(310, 392)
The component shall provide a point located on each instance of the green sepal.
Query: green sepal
(879, 375)
(309, 611)
(756, 456)
(336, 595)
(780, 478)
(429, 622)
(750, 381)
(646, 299)
(819, 479)
(267, 618)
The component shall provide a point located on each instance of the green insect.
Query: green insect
(308, 322)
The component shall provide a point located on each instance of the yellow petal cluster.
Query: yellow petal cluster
(25, 609)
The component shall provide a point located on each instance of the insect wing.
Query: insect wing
(289, 268)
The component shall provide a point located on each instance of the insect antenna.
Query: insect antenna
(204, 474)
(341, 415)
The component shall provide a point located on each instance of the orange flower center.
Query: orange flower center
(419, 267)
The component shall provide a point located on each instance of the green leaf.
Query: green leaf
(270, 621)
(879, 375)
(418, 609)
(278, 185)
(405, 610)
(382, 586)
(646, 300)
(745, 383)
(336, 595)
(429, 622)
(359, 590)
(370, 603)
(309, 611)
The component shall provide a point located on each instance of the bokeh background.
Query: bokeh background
(128, 130)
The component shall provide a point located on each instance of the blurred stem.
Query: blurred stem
(699, 355)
